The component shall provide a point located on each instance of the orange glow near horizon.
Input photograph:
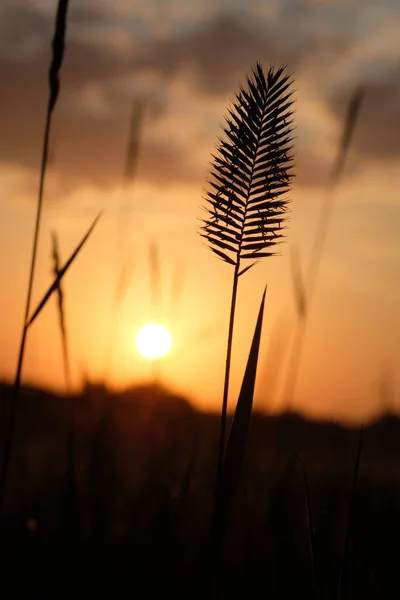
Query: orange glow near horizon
(344, 375)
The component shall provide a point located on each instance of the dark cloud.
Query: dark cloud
(85, 149)
(20, 27)
(22, 23)
(216, 53)
(85, 15)
(220, 50)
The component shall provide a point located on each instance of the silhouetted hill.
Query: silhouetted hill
(147, 424)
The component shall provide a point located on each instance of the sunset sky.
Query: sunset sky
(186, 59)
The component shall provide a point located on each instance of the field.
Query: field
(144, 463)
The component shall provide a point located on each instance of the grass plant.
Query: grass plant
(246, 206)
(250, 176)
(54, 84)
(54, 88)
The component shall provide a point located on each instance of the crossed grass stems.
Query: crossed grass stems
(246, 207)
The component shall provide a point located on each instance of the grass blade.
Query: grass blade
(236, 447)
(132, 153)
(155, 286)
(298, 283)
(131, 166)
(347, 135)
(350, 512)
(62, 272)
(124, 267)
(58, 47)
(333, 184)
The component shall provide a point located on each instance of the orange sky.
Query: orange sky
(187, 65)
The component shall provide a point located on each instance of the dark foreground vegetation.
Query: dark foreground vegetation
(132, 497)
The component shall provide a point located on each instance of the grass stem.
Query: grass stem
(17, 381)
(350, 512)
(54, 88)
(222, 435)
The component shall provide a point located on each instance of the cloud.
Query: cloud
(214, 54)
(107, 63)
(219, 49)
(21, 29)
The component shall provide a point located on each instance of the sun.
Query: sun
(153, 341)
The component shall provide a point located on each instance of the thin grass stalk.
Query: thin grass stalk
(299, 290)
(273, 361)
(58, 46)
(223, 423)
(74, 524)
(310, 532)
(133, 150)
(184, 492)
(61, 313)
(350, 513)
(304, 294)
(177, 287)
(155, 287)
(129, 176)
(124, 268)
(334, 181)
(72, 492)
